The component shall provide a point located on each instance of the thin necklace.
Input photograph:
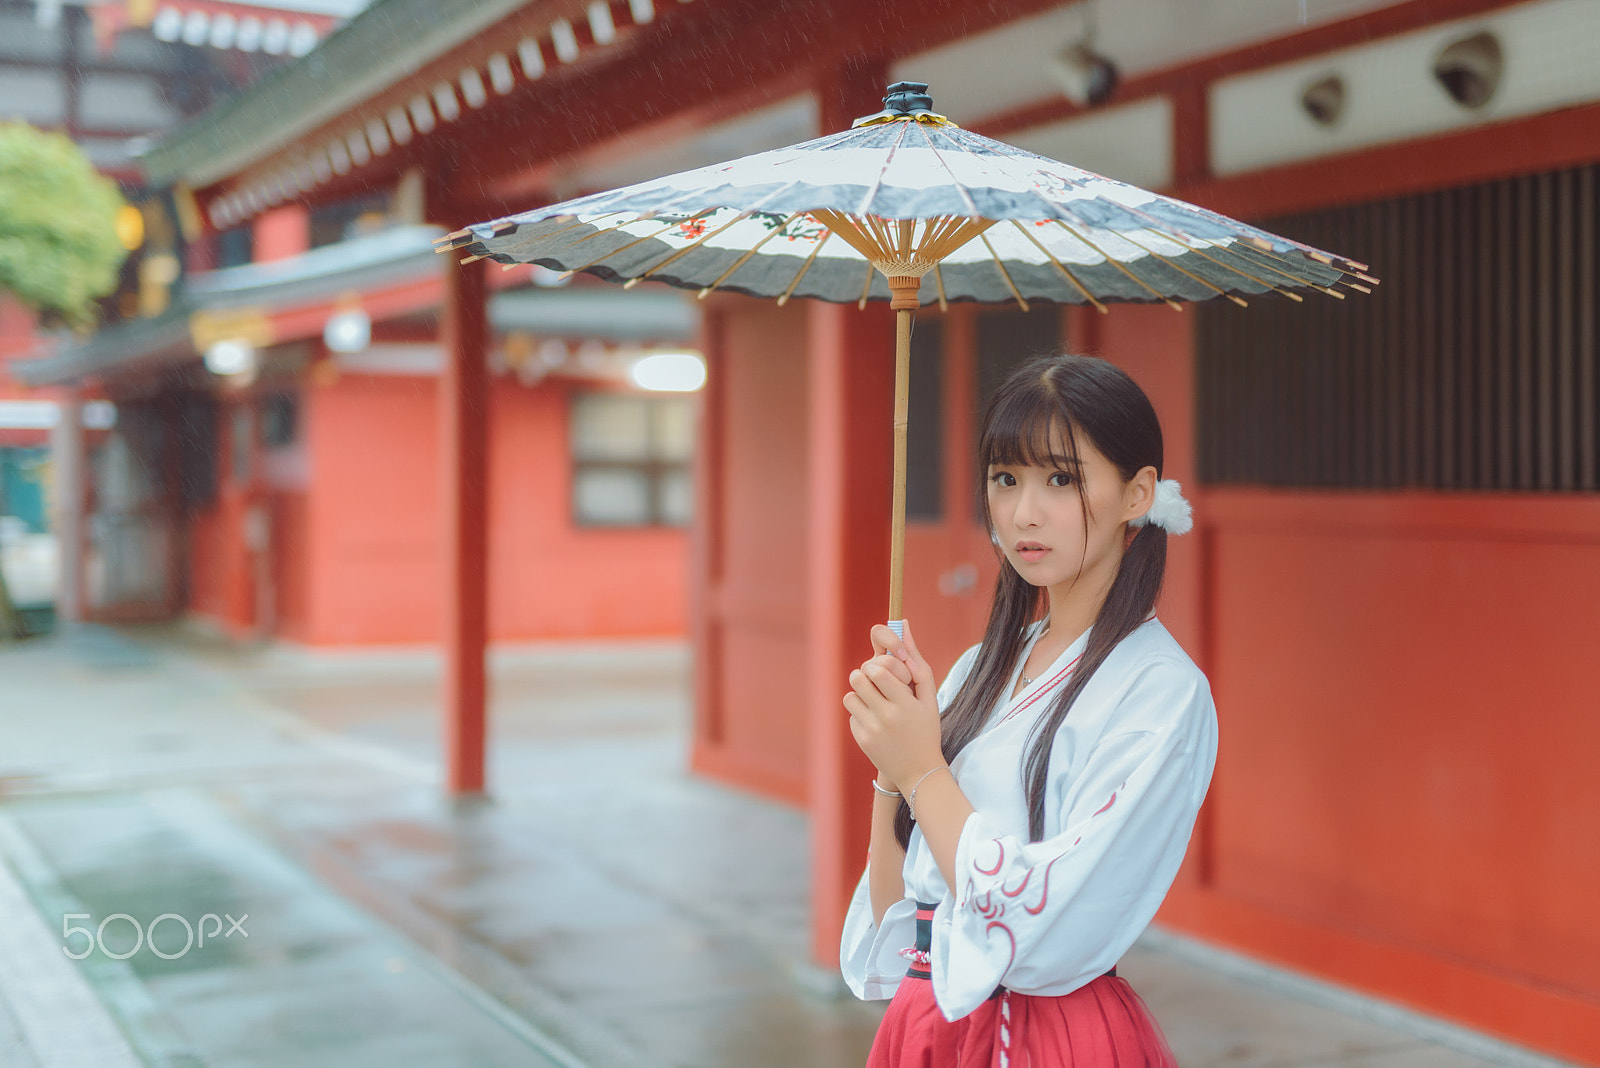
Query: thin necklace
(1026, 681)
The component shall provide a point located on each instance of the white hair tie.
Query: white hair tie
(1169, 510)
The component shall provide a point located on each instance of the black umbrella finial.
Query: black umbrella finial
(907, 98)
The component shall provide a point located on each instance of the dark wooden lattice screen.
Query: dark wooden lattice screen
(1473, 366)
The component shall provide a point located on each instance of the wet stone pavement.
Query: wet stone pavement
(603, 907)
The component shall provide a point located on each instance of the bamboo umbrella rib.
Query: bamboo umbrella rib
(1188, 274)
(804, 267)
(1003, 272)
(880, 234)
(1273, 259)
(1352, 266)
(1257, 279)
(959, 236)
(933, 239)
(599, 230)
(740, 262)
(866, 286)
(743, 215)
(1239, 251)
(849, 231)
(938, 280)
(647, 237)
(961, 188)
(696, 243)
(1174, 305)
(1088, 296)
(877, 183)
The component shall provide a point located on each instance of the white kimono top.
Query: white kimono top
(1128, 770)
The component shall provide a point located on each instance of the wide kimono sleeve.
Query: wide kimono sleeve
(869, 952)
(1050, 916)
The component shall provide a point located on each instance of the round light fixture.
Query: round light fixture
(1323, 100)
(1470, 68)
(349, 330)
(230, 357)
(670, 372)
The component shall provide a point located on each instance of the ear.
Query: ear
(1139, 494)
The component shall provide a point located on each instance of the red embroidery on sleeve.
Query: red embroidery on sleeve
(1020, 886)
(1012, 959)
(998, 862)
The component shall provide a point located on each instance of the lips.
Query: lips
(1031, 550)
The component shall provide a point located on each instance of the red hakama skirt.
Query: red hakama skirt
(1101, 1025)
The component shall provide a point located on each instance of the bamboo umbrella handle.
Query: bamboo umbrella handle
(904, 302)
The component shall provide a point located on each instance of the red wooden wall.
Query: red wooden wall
(356, 556)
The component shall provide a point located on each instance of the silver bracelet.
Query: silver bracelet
(881, 792)
(911, 802)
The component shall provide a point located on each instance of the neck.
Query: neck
(1074, 604)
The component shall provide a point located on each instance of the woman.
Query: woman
(1030, 814)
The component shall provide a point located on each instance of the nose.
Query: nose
(1030, 501)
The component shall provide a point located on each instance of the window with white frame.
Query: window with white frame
(631, 456)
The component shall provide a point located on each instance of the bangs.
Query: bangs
(1028, 428)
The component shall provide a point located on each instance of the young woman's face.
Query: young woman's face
(1038, 515)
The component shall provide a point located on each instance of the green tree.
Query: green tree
(58, 239)
(58, 243)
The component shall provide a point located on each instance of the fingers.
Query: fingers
(921, 673)
(896, 667)
(885, 641)
(867, 686)
(887, 680)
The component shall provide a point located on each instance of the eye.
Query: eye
(1060, 478)
(1003, 478)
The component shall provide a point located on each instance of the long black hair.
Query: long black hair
(1044, 400)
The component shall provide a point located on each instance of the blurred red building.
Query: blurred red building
(1390, 584)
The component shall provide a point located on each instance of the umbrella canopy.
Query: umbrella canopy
(989, 223)
(907, 206)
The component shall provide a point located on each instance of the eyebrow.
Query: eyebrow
(1048, 461)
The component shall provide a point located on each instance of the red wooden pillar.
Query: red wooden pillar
(851, 390)
(69, 461)
(464, 460)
